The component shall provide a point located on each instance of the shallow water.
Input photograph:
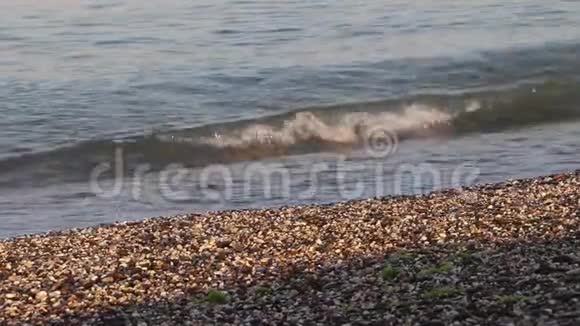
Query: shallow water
(488, 90)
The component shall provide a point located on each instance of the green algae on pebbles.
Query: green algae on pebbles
(496, 254)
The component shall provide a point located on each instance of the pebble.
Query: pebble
(41, 296)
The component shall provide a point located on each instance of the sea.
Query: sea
(123, 110)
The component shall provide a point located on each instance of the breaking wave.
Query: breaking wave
(351, 128)
(311, 130)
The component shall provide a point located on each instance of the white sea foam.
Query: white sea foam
(350, 128)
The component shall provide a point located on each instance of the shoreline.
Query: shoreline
(491, 253)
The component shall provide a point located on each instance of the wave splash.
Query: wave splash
(351, 128)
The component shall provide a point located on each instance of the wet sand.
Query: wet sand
(490, 254)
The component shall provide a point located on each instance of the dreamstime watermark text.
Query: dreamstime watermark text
(263, 180)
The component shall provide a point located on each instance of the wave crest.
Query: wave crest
(348, 129)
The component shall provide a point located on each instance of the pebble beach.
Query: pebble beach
(496, 254)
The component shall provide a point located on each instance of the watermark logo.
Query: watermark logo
(341, 176)
(381, 142)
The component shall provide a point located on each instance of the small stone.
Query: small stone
(222, 243)
(41, 296)
(574, 272)
(12, 311)
(545, 268)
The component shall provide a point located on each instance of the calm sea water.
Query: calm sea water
(217, 104)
